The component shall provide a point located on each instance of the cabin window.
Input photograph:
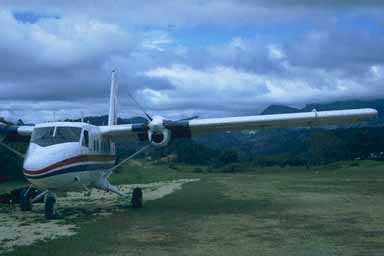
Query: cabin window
(86, 139)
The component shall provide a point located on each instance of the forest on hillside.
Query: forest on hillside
(285, 148)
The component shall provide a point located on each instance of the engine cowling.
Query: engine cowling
(160, 139)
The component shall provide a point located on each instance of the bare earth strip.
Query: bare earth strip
(25, 228)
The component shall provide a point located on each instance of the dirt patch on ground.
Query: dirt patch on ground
(20, 229)
(25, 228)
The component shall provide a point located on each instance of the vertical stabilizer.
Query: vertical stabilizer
(112, 118)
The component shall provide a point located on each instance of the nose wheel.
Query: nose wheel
(26, 201)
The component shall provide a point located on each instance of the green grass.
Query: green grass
(333, 210)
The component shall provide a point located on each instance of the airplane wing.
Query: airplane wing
(197, 127)
(314, 118)
(125, 132)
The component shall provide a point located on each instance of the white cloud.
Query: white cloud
(156, 40)
(377, 72)
(229, 87)
(276, 53)
(216, 79)
(154, 97)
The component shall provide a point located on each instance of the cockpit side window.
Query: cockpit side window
(86, 138)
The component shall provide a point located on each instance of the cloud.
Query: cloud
(183, 58)
(187, 13)
(230, 88)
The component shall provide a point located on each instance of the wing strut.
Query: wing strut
(110, 171)
(104, 183)
(12, 150)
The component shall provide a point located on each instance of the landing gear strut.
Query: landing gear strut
(50, 206)
(137, 198)
(25, 200)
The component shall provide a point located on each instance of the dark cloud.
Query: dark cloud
(339, 49)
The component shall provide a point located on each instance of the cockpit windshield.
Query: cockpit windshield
(48, 136)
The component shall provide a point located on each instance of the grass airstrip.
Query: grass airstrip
(332, 210)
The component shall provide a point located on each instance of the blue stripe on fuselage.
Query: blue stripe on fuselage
(79, 168)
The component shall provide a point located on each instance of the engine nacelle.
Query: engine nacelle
(161, 139)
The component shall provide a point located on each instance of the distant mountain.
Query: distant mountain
(279, 109)
(338, 105)
(103, 120)
(377, 104)
(352, 104)
(274, 141)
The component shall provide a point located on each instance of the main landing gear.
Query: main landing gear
(50, 206)
(26, 202)
(137, 198)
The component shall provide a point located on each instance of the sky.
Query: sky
(184, 58)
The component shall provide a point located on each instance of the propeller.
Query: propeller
(156, 123)
(160, 130)
(140, 107)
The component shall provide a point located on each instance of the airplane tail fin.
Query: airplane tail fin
(112, 118)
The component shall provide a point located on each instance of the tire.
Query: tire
(25, 200)
(137, 198)
(50, 206)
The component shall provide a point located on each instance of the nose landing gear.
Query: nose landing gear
(26, 202)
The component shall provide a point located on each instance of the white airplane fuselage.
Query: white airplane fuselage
(67, 156)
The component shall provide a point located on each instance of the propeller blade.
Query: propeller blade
(140, 107)
(148, 116)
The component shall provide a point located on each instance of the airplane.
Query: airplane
(73, 156)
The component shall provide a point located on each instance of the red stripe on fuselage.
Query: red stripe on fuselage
(72, 160)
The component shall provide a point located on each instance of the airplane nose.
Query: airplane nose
(42, 160)
(31, 164)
